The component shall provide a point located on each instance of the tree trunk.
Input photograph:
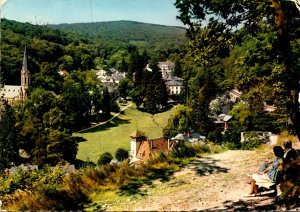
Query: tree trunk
(291, 81)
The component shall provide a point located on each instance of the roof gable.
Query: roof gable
(137, 134)
(149, 148)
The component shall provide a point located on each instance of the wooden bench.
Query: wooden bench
(269, 188)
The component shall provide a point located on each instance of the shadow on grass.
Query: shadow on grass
(160, 174)
(253, 204)
(80, 139)
(83, 164)
(164, 109)
(140, 185)
(136, 186)
(206, 166)
(202, 166)
(113, 123)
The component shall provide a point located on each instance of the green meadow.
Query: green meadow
(115, 134)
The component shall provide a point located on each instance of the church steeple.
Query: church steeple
(25, 77)
(24, 67)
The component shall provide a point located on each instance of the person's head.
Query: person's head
(287, 144)
(278, 151)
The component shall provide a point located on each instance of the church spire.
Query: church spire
(25, 78)
(24, 67)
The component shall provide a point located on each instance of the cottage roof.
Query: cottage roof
(112, 70)
(149, 148)
(173, 83)
(180, 137)
(224, 117)
(137, 134)
(235, 93)
(227, 117)
(170, 78)
(10, 91)
(198, 136)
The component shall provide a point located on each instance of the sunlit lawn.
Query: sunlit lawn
(111, 136)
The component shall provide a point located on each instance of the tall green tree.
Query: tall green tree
(156, 96)
(201, 122)
(60, 147)
(106, 103)
(177, 70)
(134, 67)
(179, 122)
(123, 66)
(9, 137)
(123, 88)
(272, 23)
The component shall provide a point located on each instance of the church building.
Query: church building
(14, 93)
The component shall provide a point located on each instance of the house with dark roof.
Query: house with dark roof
(189, 137)
(222, 121)
(143, 149)
(174, 85)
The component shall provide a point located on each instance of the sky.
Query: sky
(79, 11)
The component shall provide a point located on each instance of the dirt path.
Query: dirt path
(208, 183)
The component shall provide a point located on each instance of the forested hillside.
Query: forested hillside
(151, 37)
(83, 46)
(48, 50)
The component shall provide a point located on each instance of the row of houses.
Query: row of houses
(174, 85)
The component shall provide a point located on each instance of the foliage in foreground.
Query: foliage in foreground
(57, 190)
(291, 185)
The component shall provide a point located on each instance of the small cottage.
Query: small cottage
(143, 149)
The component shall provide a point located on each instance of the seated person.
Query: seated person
(269, 175)
(290, 153)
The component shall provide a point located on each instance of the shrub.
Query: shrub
(231, 139)
(250, 144)
(183, 150)
(121, 154)
(105, 158)
(208, 148)
(215, 136)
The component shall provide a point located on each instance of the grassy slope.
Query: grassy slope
(109, 137)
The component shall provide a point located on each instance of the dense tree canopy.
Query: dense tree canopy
(9, 137)
(269, 68)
